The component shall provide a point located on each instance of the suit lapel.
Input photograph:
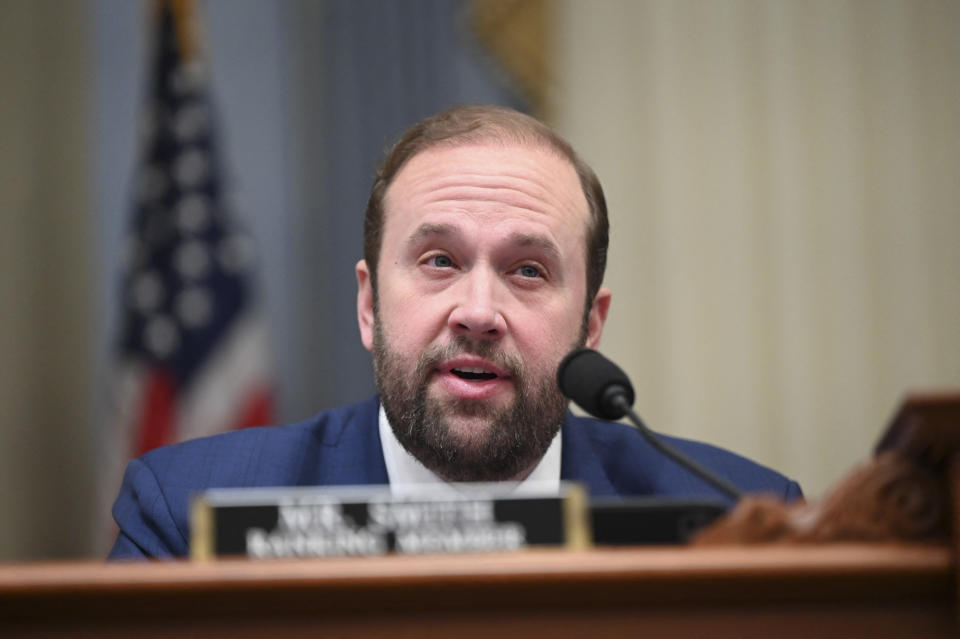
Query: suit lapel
(349, 451)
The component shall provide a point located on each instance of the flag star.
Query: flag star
(186, 78)
(190, 122)
(161, 336)
(193, 213)
(192, 260)
(194, 307)
(191, 168)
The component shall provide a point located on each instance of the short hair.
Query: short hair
(474, 124)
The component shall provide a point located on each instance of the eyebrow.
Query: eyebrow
(540, 242)
(427, 229)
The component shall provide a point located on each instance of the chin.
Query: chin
(469, 431)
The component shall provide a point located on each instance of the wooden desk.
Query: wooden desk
(823, 591)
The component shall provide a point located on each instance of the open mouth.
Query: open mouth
(473, 378)
(473, 374)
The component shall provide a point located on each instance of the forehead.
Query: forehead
(491, 180)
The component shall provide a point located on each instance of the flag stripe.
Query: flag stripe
(157, 418)
(258, 409)
(222, 386)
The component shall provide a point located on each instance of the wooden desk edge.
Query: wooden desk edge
(687, 565)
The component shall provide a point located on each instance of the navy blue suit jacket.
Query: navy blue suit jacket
(341, 447)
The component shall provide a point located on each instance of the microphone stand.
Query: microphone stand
(620, 401)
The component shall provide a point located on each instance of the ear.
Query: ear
(598, 317)
(365, 304)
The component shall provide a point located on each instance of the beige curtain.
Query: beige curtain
(784, 182)
(47, 472)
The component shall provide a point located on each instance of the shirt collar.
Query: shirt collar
(406, 473)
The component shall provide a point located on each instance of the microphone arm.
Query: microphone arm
(721, 484)
(603, 390)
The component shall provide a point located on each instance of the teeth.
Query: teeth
(470, 369)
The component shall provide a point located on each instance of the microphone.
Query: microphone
(596, 384)
(603, 390)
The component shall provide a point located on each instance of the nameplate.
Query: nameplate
(363, 521)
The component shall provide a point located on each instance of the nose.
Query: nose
(476, 314)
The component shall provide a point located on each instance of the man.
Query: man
(485, 244)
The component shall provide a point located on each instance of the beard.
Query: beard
(511, 439)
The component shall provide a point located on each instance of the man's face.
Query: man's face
(481, 289)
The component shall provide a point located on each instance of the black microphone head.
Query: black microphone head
(593, 382)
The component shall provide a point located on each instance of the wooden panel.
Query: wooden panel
(822, 591)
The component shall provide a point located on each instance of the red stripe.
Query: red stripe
(257, 410)
(157, 419)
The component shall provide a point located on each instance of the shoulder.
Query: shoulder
(327, 428)
(634, 467)
(338, 446)
(261, 454)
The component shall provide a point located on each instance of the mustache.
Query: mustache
(461, 345)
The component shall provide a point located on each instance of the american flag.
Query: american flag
(193, 356)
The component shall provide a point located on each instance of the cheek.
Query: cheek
(545, 338)
(407, 323)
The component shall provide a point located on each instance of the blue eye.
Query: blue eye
(529, 271)
(441, 261)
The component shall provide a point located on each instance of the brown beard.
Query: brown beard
(515, 438)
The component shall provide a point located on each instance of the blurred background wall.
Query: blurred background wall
(782, 181)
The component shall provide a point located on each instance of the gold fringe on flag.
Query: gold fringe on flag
(186, 22)
(515, 32)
